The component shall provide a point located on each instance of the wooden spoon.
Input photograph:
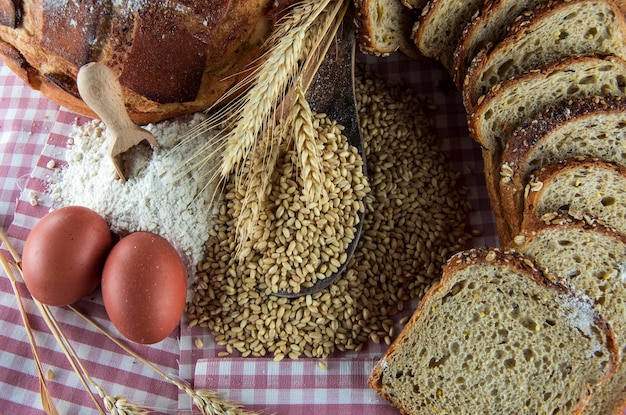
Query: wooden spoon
(100, 88)
(332, 92)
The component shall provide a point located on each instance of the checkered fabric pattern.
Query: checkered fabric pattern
(35, 131)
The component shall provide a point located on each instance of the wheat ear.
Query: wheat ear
(253, 178)
(304, 134)
(254, 184)
(209, 402)
(252, 114)
(289, 57)
(272, 80)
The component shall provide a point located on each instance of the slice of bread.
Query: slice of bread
(561, 244)
(488, 26)
(504, 108)
(553, 31)
(512, 102)
(497, 336)
(585, 186)
(590, 127)
(438, 30)
(385, 26)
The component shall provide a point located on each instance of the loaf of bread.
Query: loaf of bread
(384, 27)
(592, 187)
(555, 30)
(562, 244)
(172, 56)
(497, 336)
(489, 26)
(586, 127)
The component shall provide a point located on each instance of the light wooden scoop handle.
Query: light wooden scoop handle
(99, 87)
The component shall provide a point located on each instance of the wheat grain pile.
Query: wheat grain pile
(298, 237)
(415, 219)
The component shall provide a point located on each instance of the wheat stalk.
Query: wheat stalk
(115, 405)
(273, 80)
(254, 182)
(209, 402)
(46, 398)
(305, 138)
(290, 49)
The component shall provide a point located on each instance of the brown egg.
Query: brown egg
(144, 287)
(64, 255)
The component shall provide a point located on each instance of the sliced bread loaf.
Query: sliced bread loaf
(591, 127)
(507, 105)
(497, 336)
(585, 186)
(437, 31)
(561, 244)
(504, 108)
(488, 26)
(385, 26)
(554, 30)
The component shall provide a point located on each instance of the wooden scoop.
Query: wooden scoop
(332, 92)
(100, 88)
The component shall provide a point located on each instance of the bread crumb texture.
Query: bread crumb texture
(495, 340)
(560, 245)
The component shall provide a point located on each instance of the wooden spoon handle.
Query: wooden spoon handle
(100, 89)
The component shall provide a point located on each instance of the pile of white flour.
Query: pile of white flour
(157, 197)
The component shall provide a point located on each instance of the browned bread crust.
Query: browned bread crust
(545, 35)
(508, 104)
(172, 57)
(438, 29)
(572, 220)
(493, 19)
(528, 150)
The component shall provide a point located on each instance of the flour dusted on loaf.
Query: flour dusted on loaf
(157, 196)
(172, 57)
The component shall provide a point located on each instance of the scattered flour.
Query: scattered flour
(157, 196)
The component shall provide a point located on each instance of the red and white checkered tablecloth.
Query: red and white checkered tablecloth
(34, 131)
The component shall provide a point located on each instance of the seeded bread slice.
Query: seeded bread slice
(591, 127)
(497, 336)
(555, 30)
(510, 103)
(384, 26)
(561, 244)
(504, 108)
(586, 186)
(437, 32)
(487, 27)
